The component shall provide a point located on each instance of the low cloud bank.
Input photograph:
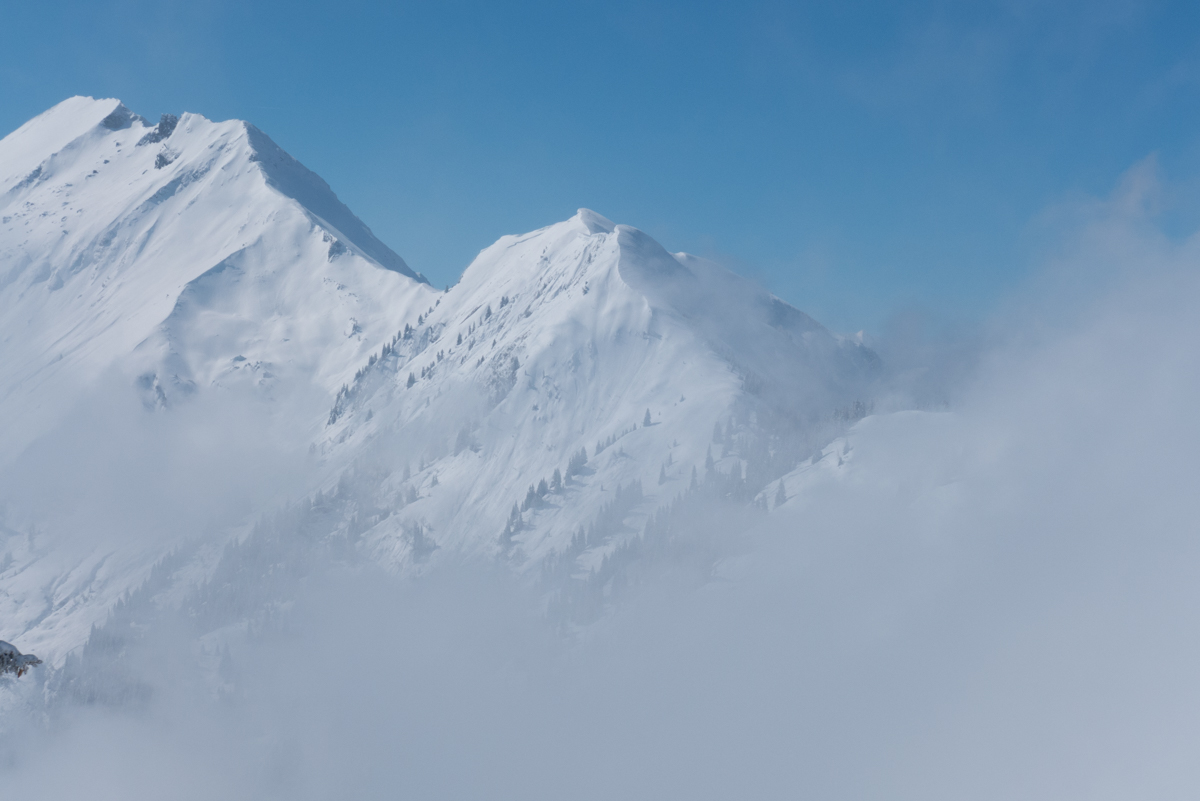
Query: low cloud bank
(996, 601)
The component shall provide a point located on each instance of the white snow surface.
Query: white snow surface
(212, 261)
(208, 258)
(604, 326)
(230, 268)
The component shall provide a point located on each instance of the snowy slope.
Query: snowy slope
(190, 255)
(181, 261)
(563, 340)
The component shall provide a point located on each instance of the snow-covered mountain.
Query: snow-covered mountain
(180, 260)
(188, 255)
(546, 411)
(567, 342)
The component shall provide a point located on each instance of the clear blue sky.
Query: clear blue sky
(858, 158)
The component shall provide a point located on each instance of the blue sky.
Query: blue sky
(861, 159)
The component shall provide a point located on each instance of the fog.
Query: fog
(118, 474)
(999, 600)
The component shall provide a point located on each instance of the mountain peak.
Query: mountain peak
(593, 222)
(23, 150)
(291, 178)
(168, 250)
(25, 157)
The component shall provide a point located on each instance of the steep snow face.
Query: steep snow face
(188, 255)
(568, 340)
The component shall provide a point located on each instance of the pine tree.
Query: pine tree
(556, 481)
(708, 460)
(412, 379)
(576, 462)
(662, 475)
(646, 420)
(781, 496)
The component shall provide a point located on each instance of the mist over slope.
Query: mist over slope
(988, 602)
(755, 584)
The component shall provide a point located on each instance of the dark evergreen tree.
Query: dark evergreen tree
(577, 462)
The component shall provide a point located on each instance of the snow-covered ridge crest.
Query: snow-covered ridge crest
(291, 178)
